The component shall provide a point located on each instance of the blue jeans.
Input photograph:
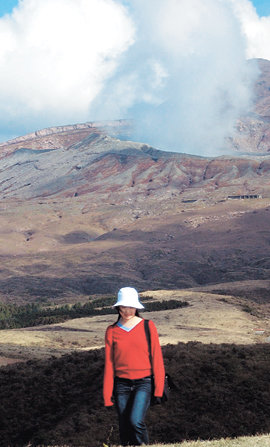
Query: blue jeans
(132, 398)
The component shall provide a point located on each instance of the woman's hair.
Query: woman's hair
(119, 316)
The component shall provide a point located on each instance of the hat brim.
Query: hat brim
(123, 303)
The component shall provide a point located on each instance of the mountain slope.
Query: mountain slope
(84, 212)
(104, 165)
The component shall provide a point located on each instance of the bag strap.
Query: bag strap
(148, 338)
(170, 383)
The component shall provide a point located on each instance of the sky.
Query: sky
(262, 7)
(176, 67)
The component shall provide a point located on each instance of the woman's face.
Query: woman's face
(127, 312)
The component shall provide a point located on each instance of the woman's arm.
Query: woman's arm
(108, 379)
(157, 361)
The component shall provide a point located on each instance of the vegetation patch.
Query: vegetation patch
(13, 316)
(221, 391)
(243, 441)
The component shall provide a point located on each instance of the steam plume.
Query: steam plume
(185, 80)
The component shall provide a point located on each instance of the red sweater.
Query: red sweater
(127, 356)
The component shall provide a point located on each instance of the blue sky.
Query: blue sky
(262, 6)
(6, 6)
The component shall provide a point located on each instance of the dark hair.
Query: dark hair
(119, 316)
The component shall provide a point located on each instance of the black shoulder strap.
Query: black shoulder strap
(148, 337)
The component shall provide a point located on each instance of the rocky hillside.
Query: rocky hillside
(88, 160)
(105, 168)
(64, 136)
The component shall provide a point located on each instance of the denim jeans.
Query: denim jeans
(132, 398)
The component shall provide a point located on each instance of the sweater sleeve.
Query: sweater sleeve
(157, 361)
(108, 379)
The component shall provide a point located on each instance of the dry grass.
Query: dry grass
(210, 318)
(243, 441)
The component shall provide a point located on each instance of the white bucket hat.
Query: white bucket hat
(127, 296)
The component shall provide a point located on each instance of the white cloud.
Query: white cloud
(255, 29)
(55, 56)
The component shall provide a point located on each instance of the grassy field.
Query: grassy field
(209, 318)
(243, 441)
(220, 368)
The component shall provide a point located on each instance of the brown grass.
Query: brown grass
(243, 441)
(210, 318)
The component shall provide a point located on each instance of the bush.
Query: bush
(221, 391)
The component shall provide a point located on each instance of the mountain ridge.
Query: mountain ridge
(88, 212)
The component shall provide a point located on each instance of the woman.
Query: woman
(128, 369)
